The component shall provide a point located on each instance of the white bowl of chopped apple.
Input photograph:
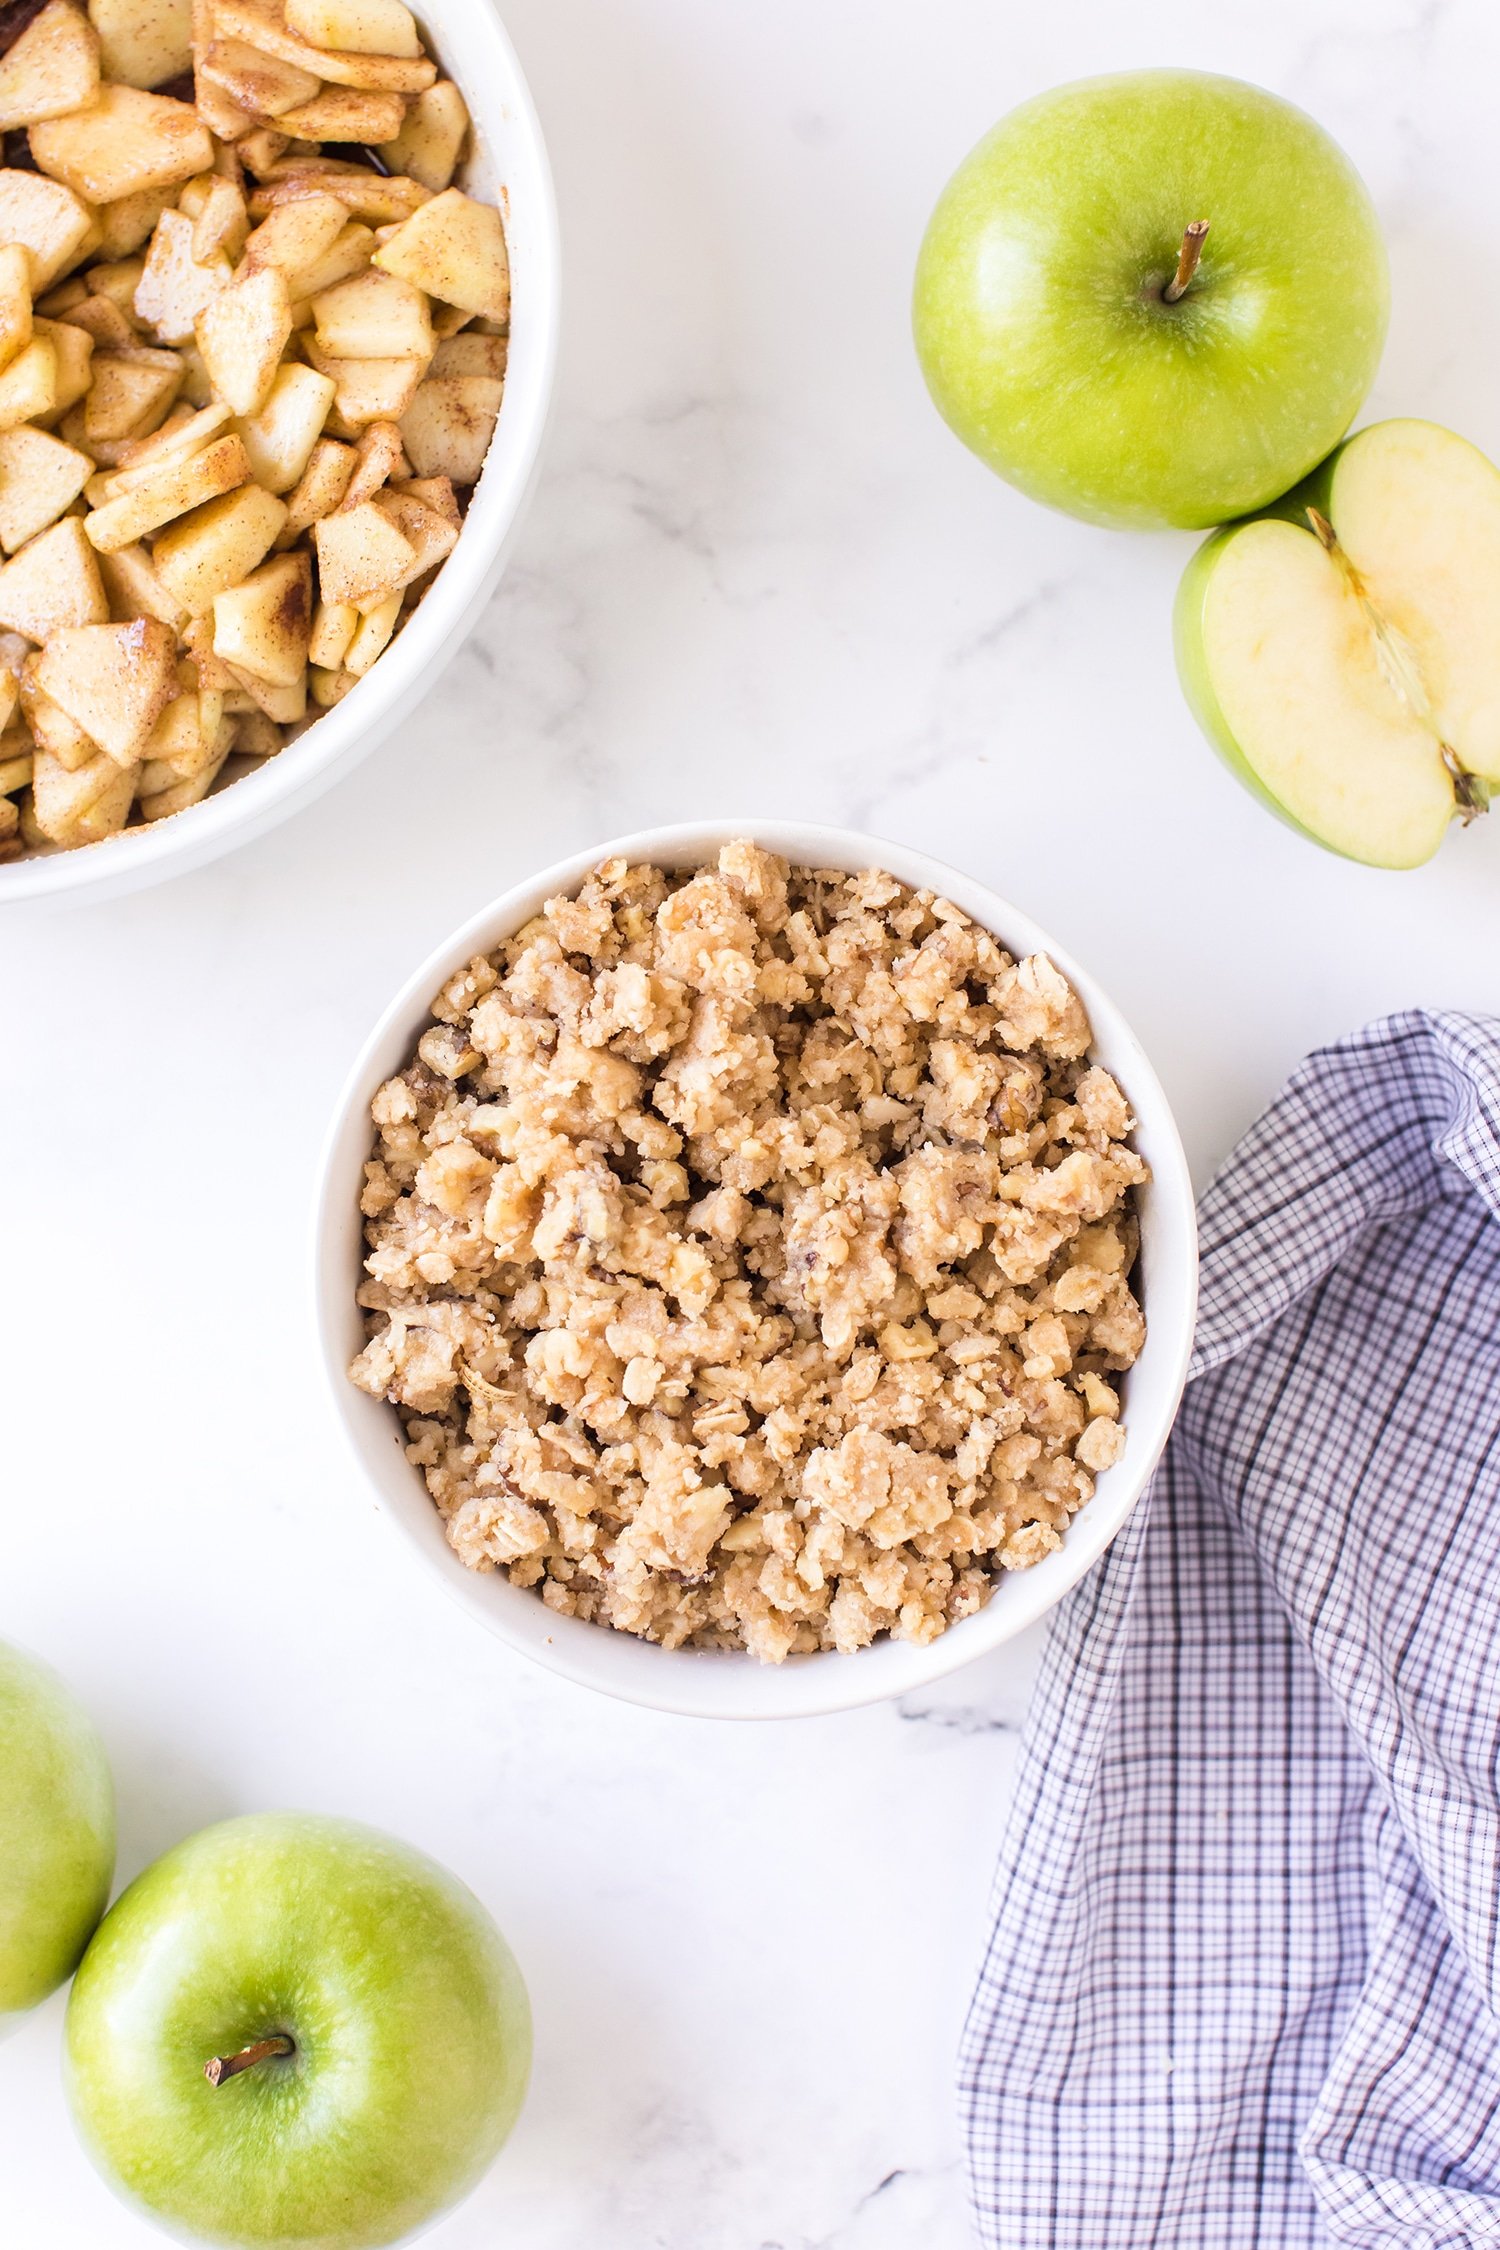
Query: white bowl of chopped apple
(266, 429)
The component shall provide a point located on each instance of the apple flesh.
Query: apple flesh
(1047, 326)
(1342, 653)
(57, 1832)
(295, 2031)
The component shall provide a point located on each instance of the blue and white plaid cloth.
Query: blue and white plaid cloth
(1243, 1985)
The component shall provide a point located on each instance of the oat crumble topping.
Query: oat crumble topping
(749, 1255)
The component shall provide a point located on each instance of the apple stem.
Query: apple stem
(230, 2066)
(1469, 791)
(1193, 239)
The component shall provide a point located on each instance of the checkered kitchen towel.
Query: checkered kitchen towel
(1243, 1986)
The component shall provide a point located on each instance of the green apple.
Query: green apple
(57, 1832)
(296, 2031)
(1343, 652)
(1153, 299)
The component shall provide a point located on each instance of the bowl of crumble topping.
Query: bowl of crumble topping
(756, 1269)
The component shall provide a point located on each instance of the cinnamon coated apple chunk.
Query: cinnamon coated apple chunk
(253, 338)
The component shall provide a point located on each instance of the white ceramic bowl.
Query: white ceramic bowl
(718, 1684)
(508, 166)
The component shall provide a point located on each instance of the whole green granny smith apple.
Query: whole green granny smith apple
(57, 1832)
(297, 2031)
(1154, 299)
(1343, 651)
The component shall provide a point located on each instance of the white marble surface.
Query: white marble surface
(759, 576)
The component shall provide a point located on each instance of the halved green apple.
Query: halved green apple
(1342, 651)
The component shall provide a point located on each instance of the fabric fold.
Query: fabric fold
(1242, 1984)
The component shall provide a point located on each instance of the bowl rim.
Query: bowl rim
(499, 97)
(697, 1683)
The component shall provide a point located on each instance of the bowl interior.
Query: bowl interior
(713, 1683)
(507, 165)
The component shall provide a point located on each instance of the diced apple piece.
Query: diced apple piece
(449, 425)
(329, 688)
(296, 235)
(286, 705)
(223, 222)
(59, 302)
(431, 140)
(52, 730)
(360, 27)
(185, 739)
(134, 589)
(375, 630)
(374, 316)
(255, 82)
(430, 535)
(53, 581)
(49, 221)
(230, 125)
(131, 394)
(73, 353)
(128, 222)
(114, 681)
(369, 390)
(101, 318)
(62, 800)
(175, 489)
(471, 355)
(242, 336)
(349, 255)
(436, 493)
(161, 804)
(196, 387)
(15, 771)
(52, 68)
(185, 432)
(334, 627)
(217, 545)
(109, 812)
(262, 23)
(122, 144)
(379, 456)
(256, 736)
(258, 151)
(174, 287)
(453, 248)
(339, 113)
(362, 557)
(39, 478)
(28, 387)
(319, 490)
(117, 279)
(197, 638)
(280, 438)
(363, 193)
(263, 625)
(144, 42)
(15, 301)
